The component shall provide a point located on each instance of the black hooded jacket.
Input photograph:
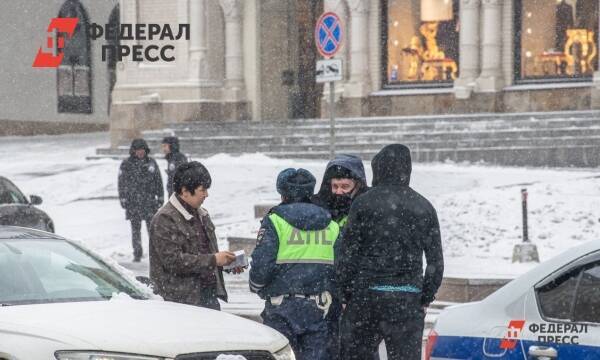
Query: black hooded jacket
(140, 185)
(326, 199)
(174, 159)
(389, 228)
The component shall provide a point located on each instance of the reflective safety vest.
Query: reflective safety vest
(304, 246)
(343, 221)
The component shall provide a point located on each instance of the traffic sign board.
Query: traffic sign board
(328, 34)
(329, 70)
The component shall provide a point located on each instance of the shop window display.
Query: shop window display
(556, 39)
(421, 42)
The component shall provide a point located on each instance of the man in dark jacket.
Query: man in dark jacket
(170, 147)
(292, 266)
(140, 191)
(185, 261)
(379, 268)
(343, 181)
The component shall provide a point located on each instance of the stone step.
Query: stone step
(532, 139)
(204, 130)
(575, 156)
(267, 144)
(249, 141)
(203, 149)
(434, 119)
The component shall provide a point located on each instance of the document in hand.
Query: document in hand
(241, 261)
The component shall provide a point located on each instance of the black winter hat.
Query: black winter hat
(139, 144)
(296, 184)
(173, 141)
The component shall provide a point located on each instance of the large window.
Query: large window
(420, 42)
(556, 39)
(74, 75)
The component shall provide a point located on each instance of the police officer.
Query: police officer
(292, 266)
(140, 191)
(170, 147)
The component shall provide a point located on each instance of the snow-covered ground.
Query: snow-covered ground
(479, 207)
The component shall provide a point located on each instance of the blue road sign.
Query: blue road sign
(328, 34)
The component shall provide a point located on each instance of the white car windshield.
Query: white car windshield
(48, 270)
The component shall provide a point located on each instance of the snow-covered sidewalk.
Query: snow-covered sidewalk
(478, 206)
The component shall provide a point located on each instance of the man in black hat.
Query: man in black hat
(170, 147)
(343, 181)
(292, 266)
(140, 191)
(379, 266)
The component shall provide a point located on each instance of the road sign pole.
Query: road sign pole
(331, 119)
(524, 210)
(328, 39)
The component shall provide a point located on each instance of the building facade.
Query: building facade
(411, 57)
(245, 60)
(254, 60)
(75, 96)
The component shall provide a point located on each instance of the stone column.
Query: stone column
(468, 49)
(508, 43)
(491, 79)
(198, 40)
(234, 65)
(358, 37)
(375, 19)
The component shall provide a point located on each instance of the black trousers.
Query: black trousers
(136, 235)
(371, 316)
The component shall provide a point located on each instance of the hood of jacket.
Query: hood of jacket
(325, 198)
(392, 166)
(138, 144)
(350, 162)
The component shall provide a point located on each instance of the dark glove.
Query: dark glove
(426, 300)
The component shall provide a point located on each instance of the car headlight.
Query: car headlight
(86, 355)
(285, 354)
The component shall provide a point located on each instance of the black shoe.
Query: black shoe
(137, 258)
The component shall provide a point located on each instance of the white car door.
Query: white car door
(562, 313)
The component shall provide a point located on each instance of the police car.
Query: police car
(551, 312)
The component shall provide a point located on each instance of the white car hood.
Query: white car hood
(144, 327)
